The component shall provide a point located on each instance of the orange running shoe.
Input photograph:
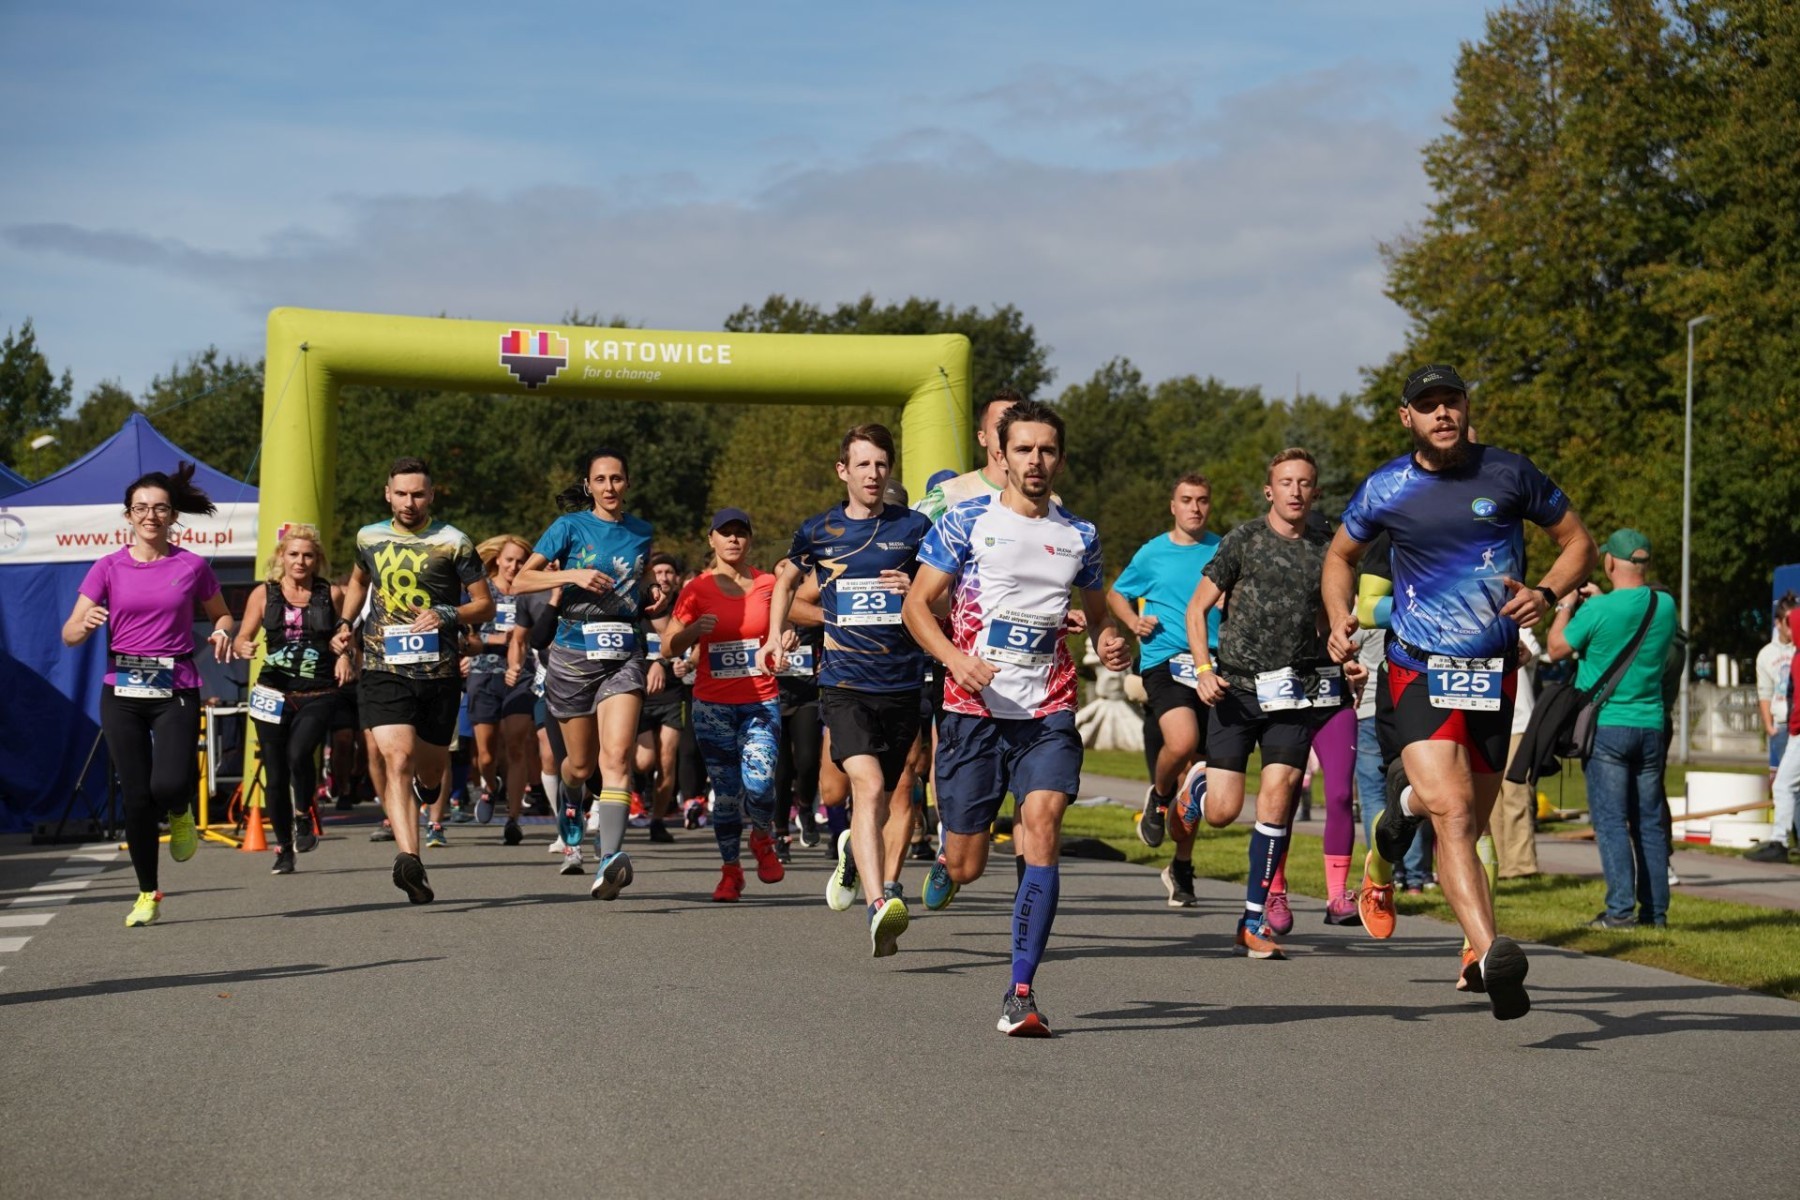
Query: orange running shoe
(1375, 905)
(768, 863)
(1256, 942)
(731, 884)
(1468, 979)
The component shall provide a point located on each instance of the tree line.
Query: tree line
(1608, 171)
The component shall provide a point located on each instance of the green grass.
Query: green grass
(1735, 944)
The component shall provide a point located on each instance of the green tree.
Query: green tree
(211, 406)
(32, 396)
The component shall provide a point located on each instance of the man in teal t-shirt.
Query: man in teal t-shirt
(1162, 577)
(1625, 771)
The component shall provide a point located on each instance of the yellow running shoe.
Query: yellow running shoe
(184, 839)
(146, 910)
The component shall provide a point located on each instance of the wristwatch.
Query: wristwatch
(1548, 595)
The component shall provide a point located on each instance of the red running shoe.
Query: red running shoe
(731, 884)
(768, 863)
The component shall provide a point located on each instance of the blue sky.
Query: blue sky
(1200, 187)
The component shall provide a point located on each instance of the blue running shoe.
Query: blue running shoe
(613, 877)
(1192, 796)
(940, 889)
(569, 823)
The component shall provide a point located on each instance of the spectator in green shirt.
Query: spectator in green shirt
(1625, 771)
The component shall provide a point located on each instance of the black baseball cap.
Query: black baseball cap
(726, 516)
(1437, 375)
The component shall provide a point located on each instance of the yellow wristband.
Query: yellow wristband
(1202, 668)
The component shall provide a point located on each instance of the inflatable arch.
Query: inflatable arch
(311, 354)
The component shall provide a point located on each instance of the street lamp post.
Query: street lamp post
(1687, 521)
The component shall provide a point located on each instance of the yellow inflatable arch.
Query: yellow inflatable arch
(312, 353)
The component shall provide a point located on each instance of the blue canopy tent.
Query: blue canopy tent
(11, 481)
(51, 532)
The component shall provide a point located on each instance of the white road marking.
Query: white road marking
(10, 944)
(40, 900)
(21, 920)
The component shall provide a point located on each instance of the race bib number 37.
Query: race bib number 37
(143, 677)
(401, 646)
(1023, 639)
(867, 602)
(1466, 683)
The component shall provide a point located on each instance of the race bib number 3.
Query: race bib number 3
(867, 602)
(1277, 691)
(608, 641)
(1466, 683)
(143, 677)
(1330, 691)
(1023, 639)
(733, 660)
(401, 646)
(266, 704)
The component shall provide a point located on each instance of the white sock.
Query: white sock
(550, 781)
(1406, 794)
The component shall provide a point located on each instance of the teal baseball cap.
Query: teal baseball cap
(1629, 545)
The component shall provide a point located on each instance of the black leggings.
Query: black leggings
(797, 765)
(289, 776)
(690, 768)
(153, 745)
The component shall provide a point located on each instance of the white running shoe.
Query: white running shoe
(840, 888)
(572, 864)
(593, 817)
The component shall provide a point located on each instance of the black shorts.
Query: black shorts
(1239, 725)
(1404, 714)
(666, 709)
(344, 717)
(430, 706)
(885, 724)
(490, 699)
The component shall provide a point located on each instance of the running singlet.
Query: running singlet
(728, 671)
(1010, 598)
(407, 572)
(618, 549)
(866, 646)
(1454, 535)
(1272, 604)
(492, 659)
(150, 612)
(1164, 575)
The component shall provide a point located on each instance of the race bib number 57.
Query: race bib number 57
(1024, 639)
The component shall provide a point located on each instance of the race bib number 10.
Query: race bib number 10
(1023, 639)
(608, 641)
(733, 660)
(867, 602)
(401, 646)
(1466, 683)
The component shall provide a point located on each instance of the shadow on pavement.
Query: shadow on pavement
(149, 983)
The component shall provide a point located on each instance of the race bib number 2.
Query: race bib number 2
(1277, 691)
(401, 645)
(1472, 684)
(1024, 639)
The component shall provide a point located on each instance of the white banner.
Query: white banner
(76, 533)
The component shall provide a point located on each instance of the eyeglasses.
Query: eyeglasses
(1430, 402)
(143, 510)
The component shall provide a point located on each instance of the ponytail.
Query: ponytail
(184, 497)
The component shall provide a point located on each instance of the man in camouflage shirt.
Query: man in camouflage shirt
(1272, 685)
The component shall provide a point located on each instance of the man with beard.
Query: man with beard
(1455, 514)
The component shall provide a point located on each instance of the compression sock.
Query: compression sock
(837, 819)
(1034, 911)
(1337, 875)
(1379, 870)
(615, 806)
(549, 783)
(1268, 847)
(729, 835)
(1019, 869)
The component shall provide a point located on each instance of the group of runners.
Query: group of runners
(890, 644)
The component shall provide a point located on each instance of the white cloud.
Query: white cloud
(1247, 251)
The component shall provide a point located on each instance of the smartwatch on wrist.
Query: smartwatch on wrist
(1548, 595)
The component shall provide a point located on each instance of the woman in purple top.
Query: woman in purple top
(145, 595)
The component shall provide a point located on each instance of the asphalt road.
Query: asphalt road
(314, 1035)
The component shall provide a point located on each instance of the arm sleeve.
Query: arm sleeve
(1542, 501)
(946, 547)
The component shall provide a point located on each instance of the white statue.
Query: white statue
(1109, 721)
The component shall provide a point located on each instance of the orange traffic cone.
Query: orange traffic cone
(253, 830)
